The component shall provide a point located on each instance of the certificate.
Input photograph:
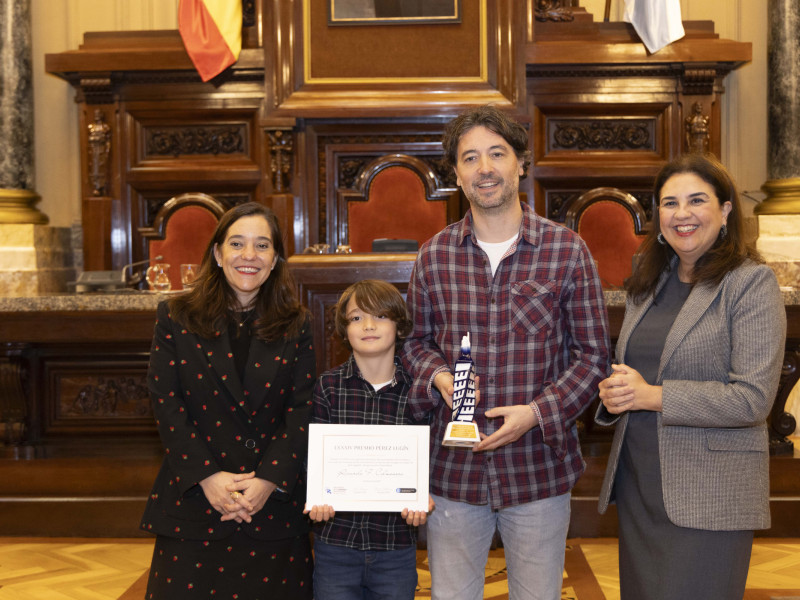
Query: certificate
(368, 468)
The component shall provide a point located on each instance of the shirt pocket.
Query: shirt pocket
(737, 440)
(532, 307)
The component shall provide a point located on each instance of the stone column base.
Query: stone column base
(783, 197)
(779, 243)
(35, 259)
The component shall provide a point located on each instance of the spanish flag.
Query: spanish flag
(212, 33)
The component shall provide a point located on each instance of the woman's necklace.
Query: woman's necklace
(244, 317)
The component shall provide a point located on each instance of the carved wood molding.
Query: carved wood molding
(281, 158)
(156, 209)
(553, 10)
(782, 422)
(351, 169)
(698, 80)
(560, 201)
(601, 134)
(157, 227)
(195, 139)
(601, 71)
(698, 130)
(96, 88)
(99, 151)
(14, 408)
(248, 13)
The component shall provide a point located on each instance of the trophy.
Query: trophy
(461, 430)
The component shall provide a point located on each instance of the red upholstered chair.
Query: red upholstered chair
(399, 197)
(612, 223)
(181, 231)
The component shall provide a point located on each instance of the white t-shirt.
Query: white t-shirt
(378, 386)
(496, 250)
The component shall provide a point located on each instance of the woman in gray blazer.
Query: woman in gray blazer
(699, 357)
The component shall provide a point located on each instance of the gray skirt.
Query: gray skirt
(657, 559)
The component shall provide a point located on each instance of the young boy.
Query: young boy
(366, 554)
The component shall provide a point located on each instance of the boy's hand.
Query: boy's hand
(417, 517)
(320, 513)
(414, 517)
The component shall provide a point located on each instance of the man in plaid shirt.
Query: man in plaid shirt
(528, 293)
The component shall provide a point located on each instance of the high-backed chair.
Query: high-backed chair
(396, 196)
(181, 231)
(613, 225)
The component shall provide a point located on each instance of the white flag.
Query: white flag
(658, 22)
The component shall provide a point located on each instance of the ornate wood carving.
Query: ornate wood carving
(248, 13)
(154, 228)
(351, 167)
(96, 394)
(101, 397)
(553, 10)
(157, 221)
(13, 405)
(782, 422)
(178, 141)
(281, 154)
(602, 134)
(698, 80)
(96, 89)
(99, 143)
(559, 202)
(647, 201)
(697, 130)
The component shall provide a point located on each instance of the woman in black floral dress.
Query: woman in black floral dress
(231, 376)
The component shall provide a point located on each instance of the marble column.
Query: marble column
(35, 258)
(17, 195)
(783, 99)
(779, 214)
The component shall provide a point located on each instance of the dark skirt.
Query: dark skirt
(235, 567)
(657, 559)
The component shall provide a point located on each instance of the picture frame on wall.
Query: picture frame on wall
(393, 12)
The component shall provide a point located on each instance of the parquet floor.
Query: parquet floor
(110, 569)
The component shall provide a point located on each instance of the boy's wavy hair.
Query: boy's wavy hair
(378, 298)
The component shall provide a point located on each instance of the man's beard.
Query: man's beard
(507, 193)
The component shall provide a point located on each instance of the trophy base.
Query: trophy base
(460, 433)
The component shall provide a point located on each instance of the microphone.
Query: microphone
(136, 264)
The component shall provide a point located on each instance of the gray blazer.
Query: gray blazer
(719, 375)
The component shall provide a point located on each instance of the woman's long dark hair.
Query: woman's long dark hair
(727, 252)
(210, 303)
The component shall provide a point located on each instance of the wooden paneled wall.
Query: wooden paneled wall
(277, 129)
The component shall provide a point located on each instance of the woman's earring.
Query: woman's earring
(723, 231)
(661, 240)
